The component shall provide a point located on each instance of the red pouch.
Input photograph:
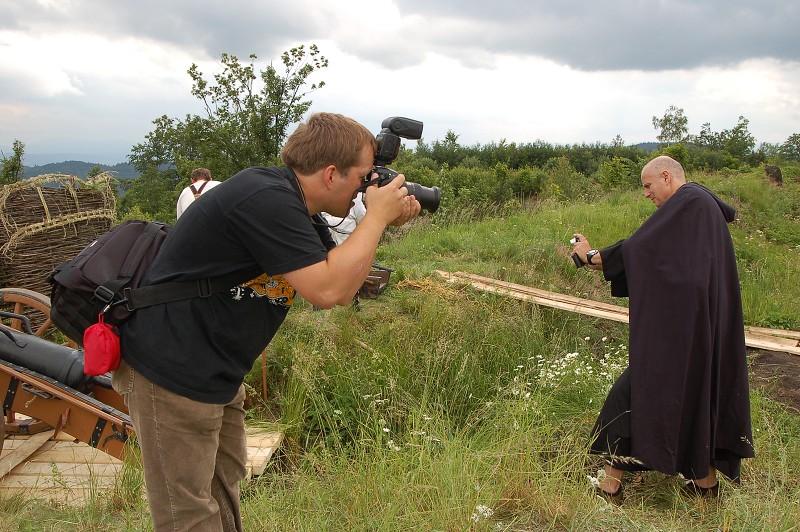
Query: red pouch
(100, 348)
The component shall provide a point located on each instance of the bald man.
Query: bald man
(682, 405)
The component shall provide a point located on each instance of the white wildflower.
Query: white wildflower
(481, 512)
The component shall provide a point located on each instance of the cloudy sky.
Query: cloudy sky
(85, 78)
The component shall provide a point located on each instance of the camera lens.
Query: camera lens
(428, 198)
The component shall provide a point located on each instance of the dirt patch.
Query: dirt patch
(778, 374)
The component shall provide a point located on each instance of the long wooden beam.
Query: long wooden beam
(757, 337)
(783, 333)
(23, 452)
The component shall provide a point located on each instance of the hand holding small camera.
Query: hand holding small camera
(575, 257)
(580, 249)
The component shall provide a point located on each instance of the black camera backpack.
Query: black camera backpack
(105, 277)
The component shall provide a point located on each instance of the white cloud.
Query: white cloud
(755, 84)
(78, 74)
(31, 68)
(529, 99)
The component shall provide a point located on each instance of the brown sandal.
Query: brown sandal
(692, 488)
(614, 498)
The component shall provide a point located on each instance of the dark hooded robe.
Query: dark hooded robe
(683, 403)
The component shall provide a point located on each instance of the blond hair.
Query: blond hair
(324, 139)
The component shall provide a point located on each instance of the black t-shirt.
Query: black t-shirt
(254, 223)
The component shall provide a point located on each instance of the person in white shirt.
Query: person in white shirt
(341, 228)
(201, 183)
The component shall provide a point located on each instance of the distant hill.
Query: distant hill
(126, 171)
(80, 169)
(648, 146)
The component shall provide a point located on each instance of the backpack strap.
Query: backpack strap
(134, 298)
(106, 291)
(145, 296)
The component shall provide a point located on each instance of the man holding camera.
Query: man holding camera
(682, 405)
(184, 362)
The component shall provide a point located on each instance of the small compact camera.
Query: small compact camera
(575, 258)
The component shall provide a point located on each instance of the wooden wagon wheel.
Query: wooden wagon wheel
(36, 307)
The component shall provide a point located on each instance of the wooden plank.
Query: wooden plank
(783, 333)
(260, 448)
(545, 294)
(61, 496)
(12, 442)
(48, 482)
(23, 452)
(62, 471)
(61, 489)
(760, 338)
(61, 451)
(541, 297)
(72, 453)
(772, 343)
(47, 469)
(571, 307)
(70, 472)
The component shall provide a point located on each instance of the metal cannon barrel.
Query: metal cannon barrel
(58, 362)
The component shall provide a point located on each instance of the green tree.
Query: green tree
(564, 181)
(738, 141)
(150, 195)
(95, 171)
(679, 152)
(247, 118)
(707, 138)
(672, 126)
(249, 125)
(527, 182)
(618, 173)
(11, 171)
(447, 151)
(791, 148)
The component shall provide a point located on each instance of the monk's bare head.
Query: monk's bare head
(661, 178)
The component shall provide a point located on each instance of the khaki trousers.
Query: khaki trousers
(194, 454)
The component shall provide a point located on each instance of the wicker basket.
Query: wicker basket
(48, 219)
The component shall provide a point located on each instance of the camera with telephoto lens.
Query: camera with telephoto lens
(388, 147)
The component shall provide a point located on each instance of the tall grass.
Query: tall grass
(437, 407)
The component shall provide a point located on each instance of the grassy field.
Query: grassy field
(436, 407)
